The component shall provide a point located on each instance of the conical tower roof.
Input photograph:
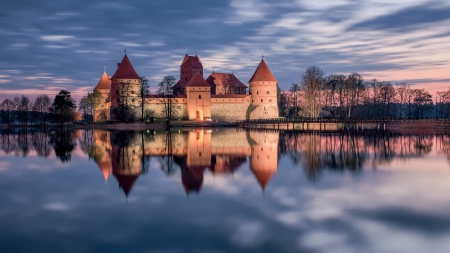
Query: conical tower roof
(125, 70)
(263, 176)
(126, 182)
(104, 83)
(262, 74)
(197, 81)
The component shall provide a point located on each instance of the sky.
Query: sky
(50, 45)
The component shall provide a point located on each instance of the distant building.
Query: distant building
(221, 96)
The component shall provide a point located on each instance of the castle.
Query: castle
(221, 97)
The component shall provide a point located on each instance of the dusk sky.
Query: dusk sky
(51, 45)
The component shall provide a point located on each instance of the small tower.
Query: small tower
(263, 90)
(189, 67)
(198, 93)
(125, 84)
(104, 87)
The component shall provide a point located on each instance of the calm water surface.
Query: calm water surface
(223, 191)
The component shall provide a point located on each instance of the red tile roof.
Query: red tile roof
(263, 176)
(194, 60)
(197, 81)
(262, 74)
(126, 182)
(224, 79)
(104, 83)
(125, 70)
(177, 85)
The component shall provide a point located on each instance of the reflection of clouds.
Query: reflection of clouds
(325, 241)
(248, 233)
(4, 165)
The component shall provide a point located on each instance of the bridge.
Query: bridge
(329, 123)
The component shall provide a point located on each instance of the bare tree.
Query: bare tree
(165, 94)
(144, 91)
(41, 108)
(7, 107)
(295, 90)
(312, 82)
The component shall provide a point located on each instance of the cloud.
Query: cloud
(406, 19)
(389, 40)
(56, 37)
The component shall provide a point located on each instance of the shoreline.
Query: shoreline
(425, 126)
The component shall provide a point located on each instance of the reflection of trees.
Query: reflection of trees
(350, 151)
(167, 161)
(21, 142)
(63, 143)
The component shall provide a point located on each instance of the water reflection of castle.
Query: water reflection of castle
(124, 155)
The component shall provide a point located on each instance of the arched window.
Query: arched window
(261, 100)
(199, 96)
(257, 92)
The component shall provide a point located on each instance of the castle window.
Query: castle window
(257, 92)
(267, 92)
(186, 79)
(118, 100)
(199, 96)
(132, 92)
(261, 100)
(270, 100)
(117, 91)
(252, 100)
(132, 100)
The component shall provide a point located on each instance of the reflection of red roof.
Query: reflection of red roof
(126, 182)
(105, 167)
(224, 79)
(125, 70)
(262, 74)
(104, 83)
(197, 81)
(193, 60)
(263, 176)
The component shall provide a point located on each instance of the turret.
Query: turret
(263, 91)
(125, 84)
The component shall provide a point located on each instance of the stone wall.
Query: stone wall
(229, 111)
(262, 112)
(158, 109)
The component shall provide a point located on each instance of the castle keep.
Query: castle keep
(220, 97)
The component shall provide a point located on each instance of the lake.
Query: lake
(223, 190)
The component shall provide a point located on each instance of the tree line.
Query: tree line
(318, 95)
(42, 111)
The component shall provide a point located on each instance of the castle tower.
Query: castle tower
(264, 158)
(189, 67)
(263, 90)
(104, 87)
(125, 84)
(198, 93)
